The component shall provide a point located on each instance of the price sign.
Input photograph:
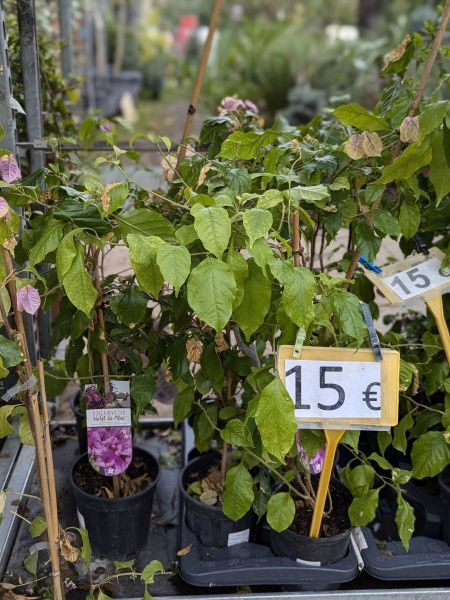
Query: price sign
(417, 276)
(341, 388)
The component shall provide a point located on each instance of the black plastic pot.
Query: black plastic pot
(80, 418)
(444, 484)
(321, 551)
(117, 527)
(209, 524)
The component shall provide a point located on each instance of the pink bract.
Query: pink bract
(4, 207)
(9, 169)
(28, 299)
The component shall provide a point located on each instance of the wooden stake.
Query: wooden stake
(46, 499)
(199, 81)
(296, 238)
(414, 106)
(53, 541)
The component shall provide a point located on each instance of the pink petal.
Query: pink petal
(28, 299)
(9, 169)
(4, 207)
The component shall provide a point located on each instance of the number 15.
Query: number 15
(322, 384)
(413, 275)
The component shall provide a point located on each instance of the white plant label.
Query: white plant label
(108, 417)
(334, 389)
(239, 537)
(419, 279)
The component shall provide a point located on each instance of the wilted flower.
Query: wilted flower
(9, 169)
(409, 130)
(28, 299)
(221, 343)
(4, 207)
(194, 349)
(110, 448)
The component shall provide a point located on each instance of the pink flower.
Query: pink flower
(93, 397)
(28, 299)
(315, 463)
(230, 104)
(110, 448)
(9, 169)
(4, 207)
(249, 105)
(106, 126)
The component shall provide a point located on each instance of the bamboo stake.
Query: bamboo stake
(199, 81)
(103, 355)
(54, 540)
(296, 238)
(412, 111)
(46, 500)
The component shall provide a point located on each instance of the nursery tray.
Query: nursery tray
(426, 559)
(255, 564)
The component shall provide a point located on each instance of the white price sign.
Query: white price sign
(341, 388)
(417, 280)
(323, 389)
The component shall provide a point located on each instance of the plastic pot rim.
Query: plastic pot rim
(125, 499)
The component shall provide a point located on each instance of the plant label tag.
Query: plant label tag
(109, 439)
(341, 388)
(417, 276)
(239, 537)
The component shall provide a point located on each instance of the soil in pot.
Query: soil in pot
(332, 545)
(117, 526)
(207, 521)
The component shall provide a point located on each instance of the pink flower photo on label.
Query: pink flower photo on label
(110, 449)
(28, 299)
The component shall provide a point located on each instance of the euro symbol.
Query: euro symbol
(367, 396)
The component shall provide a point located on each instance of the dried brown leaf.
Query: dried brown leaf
(184, 551)
(353, 147)
(202, 175)
(396, 54)
(68, 552)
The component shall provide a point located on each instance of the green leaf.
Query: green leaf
(83, 215)
(439, 167)
(86, 552)
(213, 227)
(117, 196)
(280, 511)
(312, 194)
(351, 438)
(312, 441)
(31, 563)
(297, 299)
(432, 116)
(400, 476)
(384, 440)
(129, 306)
(238, 496)
(400, 441)
(263, 256)
(348, 311)
(275, 419)
(47, 241)
(409, 162)
(175, 264)
(103, 596)
(363, 508)
(143, 257)
(238, 265)
(145, 221)
(10, 352)
(142, 389)
(358, 480)
(66, 254)
(257, 223)
(6, 428)
(87, 132)
(405, 520)
(245, 146)
(355, 115)
(238, 180)
(38, 526)
(235, 433)
(255, 305)
(365, 239)
(25, 433)
(409, 219)
(381, 461)
(182, 404)
(212, 367)
(211, 290)
(150, 570)
(186, 234)
(385, 222)
(78, 284)
(126, 564)
(430, 455)
(270, 199)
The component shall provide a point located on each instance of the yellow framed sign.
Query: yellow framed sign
(415, 277)
(341, 388)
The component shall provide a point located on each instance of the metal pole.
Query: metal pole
(65, 35)
(33, 108)
(7, 116)
(31, 78)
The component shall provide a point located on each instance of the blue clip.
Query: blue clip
(369, 265)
